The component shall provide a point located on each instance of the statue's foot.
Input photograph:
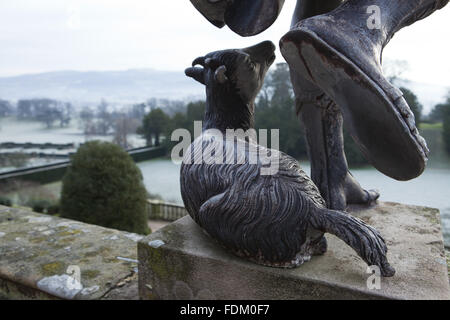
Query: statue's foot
(347, 191)
(355, 194)
(336, 56)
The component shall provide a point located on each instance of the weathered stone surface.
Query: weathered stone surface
(182, 262)
(38, 253)
(447, 253)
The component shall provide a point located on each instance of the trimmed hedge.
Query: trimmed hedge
(103, 186)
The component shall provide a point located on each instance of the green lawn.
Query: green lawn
(432, 132)
(431, 126)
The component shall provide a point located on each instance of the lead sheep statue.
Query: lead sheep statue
(277, 219)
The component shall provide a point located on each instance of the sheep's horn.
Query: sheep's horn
(199, 61)
(196, 73)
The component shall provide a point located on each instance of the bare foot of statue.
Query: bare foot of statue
(355, 194)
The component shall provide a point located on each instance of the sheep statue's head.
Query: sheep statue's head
(239, 71)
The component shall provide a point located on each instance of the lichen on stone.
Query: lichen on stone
(89, 274)
(38, 239)
(52, 268)
(69, 233)
(447, 256)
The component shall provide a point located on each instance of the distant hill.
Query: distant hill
(128, 86)
(138, 85)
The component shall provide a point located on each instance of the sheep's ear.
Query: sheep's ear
(196, 73)
(220, 75)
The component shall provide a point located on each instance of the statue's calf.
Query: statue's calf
(276, 219)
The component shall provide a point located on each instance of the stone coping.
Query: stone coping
(46, 257)
(180, 261)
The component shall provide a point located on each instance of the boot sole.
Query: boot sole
(372, 118)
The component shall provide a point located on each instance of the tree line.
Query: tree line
(47, 111)
(441, 115)
(103, 119)
(275, 109)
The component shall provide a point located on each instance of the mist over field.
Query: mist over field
(130, 86)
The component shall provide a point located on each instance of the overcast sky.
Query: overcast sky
(50, 35)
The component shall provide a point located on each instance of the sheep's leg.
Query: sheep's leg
(364, 239)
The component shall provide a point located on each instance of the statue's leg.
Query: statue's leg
(309, 8)
(323, 125)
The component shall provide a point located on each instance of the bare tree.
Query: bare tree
(105, 120)
(124, 126)
(87, 122)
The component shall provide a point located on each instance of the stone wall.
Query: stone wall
(180, 261)
(46, 257)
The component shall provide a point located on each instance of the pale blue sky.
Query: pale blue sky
(50, 35)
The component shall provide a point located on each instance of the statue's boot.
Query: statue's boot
(341, 54)
(323, 124)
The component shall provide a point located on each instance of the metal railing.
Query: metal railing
(160, 210)
(54, 172)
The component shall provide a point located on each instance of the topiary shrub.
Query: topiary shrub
(103, 186)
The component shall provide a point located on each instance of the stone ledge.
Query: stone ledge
(181, 262)
(36, 251)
